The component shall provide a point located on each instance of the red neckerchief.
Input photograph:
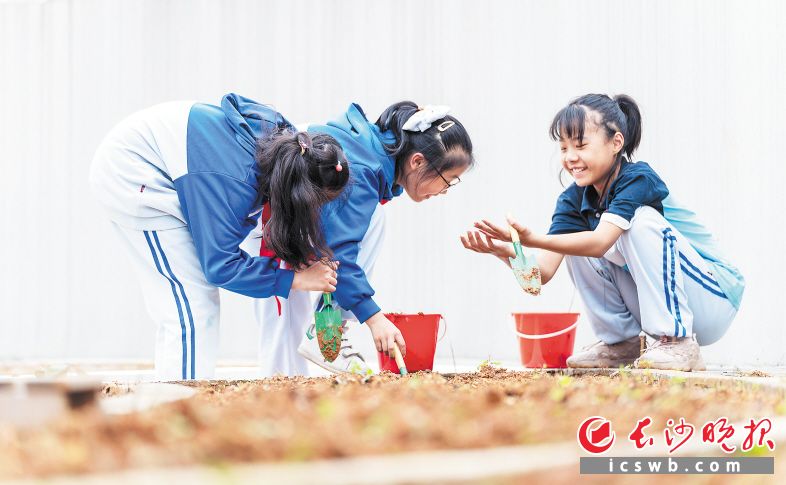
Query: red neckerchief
(265, 251)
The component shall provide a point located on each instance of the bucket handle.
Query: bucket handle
(545, 335)
(450, 342)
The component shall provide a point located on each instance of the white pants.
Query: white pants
(668, 288)
(280, 332)
(184, 306)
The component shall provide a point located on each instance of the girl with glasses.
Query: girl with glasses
(418, 151)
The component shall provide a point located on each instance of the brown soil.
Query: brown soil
(533, 273)
(532, 291)
(306, 418)
(329, 347)
(755, 373)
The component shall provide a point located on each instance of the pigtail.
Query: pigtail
(298, 175)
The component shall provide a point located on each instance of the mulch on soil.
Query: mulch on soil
(307, 418)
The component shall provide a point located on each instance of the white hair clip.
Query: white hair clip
(445, 125)
(424, 117)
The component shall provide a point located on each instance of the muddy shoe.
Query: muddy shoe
(672, 353)
(601, 354)
(347, 361)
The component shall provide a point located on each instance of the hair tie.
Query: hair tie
(302, 147)
(422, 119)
(339, 167)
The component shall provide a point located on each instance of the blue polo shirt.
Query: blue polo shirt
(637, 185)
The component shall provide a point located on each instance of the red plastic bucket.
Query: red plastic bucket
(546, 339)
(420, 334)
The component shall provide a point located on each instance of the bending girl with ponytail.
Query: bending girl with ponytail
(418, 150)
(184, 183)
(641, 261)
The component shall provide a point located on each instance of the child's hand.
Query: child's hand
(503, 233)
(385, 335)
(319, 276)
(480, 243)
(493, 231)
(524, 233)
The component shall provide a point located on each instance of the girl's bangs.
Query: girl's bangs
(568, 124)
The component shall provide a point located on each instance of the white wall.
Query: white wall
(709, 76)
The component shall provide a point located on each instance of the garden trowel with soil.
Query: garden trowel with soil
(525, 267)
(329, 329)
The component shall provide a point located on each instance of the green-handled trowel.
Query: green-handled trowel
(329, 329)
(525, 267)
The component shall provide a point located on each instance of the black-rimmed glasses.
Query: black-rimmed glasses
(448, 185)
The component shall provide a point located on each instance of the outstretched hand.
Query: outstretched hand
(485, 244)
(502, 233)
(493, 231)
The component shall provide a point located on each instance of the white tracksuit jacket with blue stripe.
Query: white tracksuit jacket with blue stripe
(190, 164)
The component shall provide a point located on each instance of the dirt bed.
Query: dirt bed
(300, 418)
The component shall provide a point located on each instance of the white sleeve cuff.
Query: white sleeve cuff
(618, 221)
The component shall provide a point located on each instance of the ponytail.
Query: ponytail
(632, 114)
(393, 119)
(445, 145)
(298, 175)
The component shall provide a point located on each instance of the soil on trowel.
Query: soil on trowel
(528, 276)
(330, 346)
(294, 419)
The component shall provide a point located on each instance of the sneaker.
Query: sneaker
(348, 360)
(672, 353)
(601, 354)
